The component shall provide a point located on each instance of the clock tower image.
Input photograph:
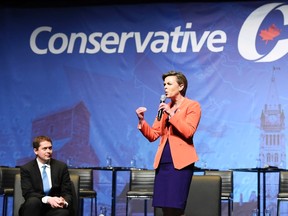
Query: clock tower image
(272, 150)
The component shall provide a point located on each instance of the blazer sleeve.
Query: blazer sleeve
(66, 188)
(151, 133)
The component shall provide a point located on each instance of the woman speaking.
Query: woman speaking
(176, 124)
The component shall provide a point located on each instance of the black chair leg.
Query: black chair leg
(91, 207)
(278, 207)
(81, 209)
(229, 208)
(145, 207)
(127, 200)
(5, 203)
(95, 206)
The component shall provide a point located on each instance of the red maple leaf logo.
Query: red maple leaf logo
(270, 33)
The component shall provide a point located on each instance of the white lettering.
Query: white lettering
(96, 45)
(52, 42)
(33, 38)
(161, 44)
(124, 37)
(216, 38)
(178, 41)
(111, 38)
(175, 38)
(73, 39)
(197, 46)
(140, 47)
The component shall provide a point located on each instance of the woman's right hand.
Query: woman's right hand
(140, 113)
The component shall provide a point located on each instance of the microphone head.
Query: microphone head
(163, 98)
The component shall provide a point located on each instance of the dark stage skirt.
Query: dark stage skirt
(171, 186)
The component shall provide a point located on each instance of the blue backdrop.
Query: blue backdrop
(78, 74)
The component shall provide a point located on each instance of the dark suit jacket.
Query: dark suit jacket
(31, 181)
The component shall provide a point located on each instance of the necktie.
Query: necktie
(45, 180)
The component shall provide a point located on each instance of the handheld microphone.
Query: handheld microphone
(160, 112)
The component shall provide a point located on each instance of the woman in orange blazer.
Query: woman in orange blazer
(176, 154)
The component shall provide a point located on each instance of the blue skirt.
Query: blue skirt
(171, 186)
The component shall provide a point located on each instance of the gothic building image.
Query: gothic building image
(272, 150)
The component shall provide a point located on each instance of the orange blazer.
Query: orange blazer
(183, 126)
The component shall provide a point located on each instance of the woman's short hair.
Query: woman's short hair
(181, 79)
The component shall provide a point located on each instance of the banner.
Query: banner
(77, 74)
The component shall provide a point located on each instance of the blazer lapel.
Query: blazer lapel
(37, 173)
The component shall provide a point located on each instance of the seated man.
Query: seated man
(45, 183)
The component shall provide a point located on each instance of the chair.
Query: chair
(75, 179)
(227, 186)
(8, 178)
(204, 198)
(86, 188)
(19, 199)
(283, 189)
(140, 187)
